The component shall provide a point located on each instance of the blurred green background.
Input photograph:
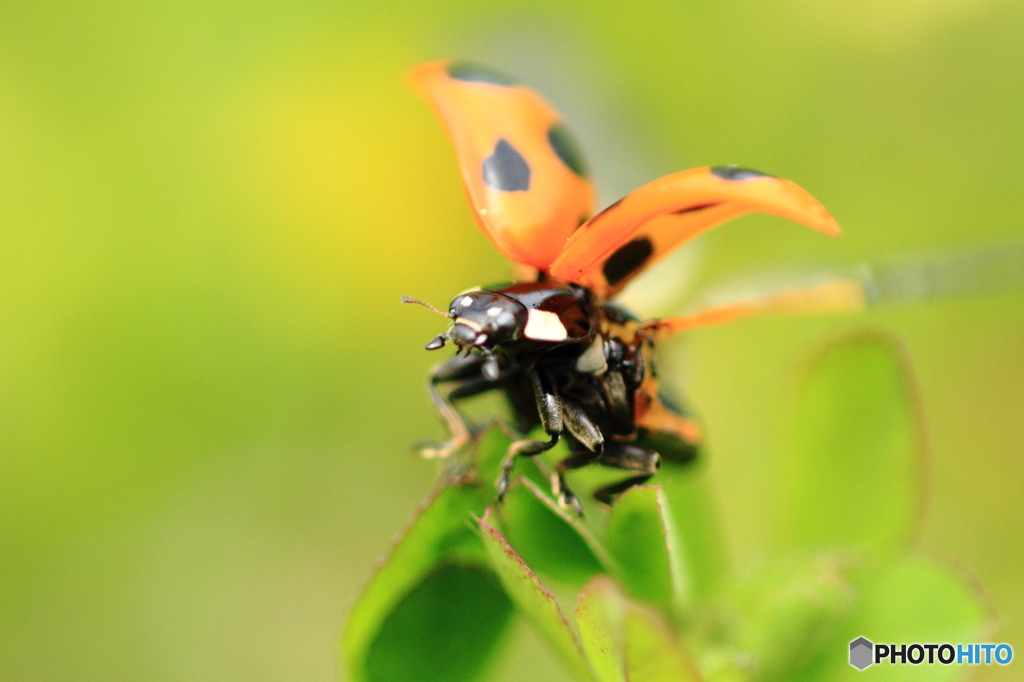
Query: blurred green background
(209, 210)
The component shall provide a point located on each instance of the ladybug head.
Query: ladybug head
(485, 319)
(481, 320)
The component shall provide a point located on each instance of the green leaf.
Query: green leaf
(789, 609)
(855, 475)
(627, 641)
(435, 580)
(643, 542)
(600, 614)
(446, 628)
(546, 537)
(653, 653)
(908, 600)
(534, 601)
(696, 521)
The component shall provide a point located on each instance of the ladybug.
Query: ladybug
(564, 354)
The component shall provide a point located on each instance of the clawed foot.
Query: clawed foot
(503, 482)
(567, 500)
(519, 447)
(432, 449)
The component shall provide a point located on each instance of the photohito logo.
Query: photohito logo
(863, 653)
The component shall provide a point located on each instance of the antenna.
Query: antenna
(410, 299)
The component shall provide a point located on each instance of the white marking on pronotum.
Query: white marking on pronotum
(466, 301)
(493, 312)
(542, 325)
(592, 360)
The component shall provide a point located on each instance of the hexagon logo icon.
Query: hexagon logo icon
(861, 653)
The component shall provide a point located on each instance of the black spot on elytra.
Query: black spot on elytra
(695, 208)
(471, 72)
(565, 147)
(506, 169)
(733, 172)
(628, 259)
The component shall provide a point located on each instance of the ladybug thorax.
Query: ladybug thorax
(556, 312)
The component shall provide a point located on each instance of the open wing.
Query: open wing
(832, 294)
(620, 241)
(994, 269)
(526, 181)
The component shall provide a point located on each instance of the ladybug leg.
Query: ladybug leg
(668, 429)
(607, 494)
(581, 427)
(457, 368)
(566, 498)
(589, 436)
(671, 445)
(464, 369)
(631, 458)
(550, 410)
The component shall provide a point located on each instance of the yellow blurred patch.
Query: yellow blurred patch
(348, 168)
(883, 23)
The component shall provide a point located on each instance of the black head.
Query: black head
(485, 319)
(481, 320)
